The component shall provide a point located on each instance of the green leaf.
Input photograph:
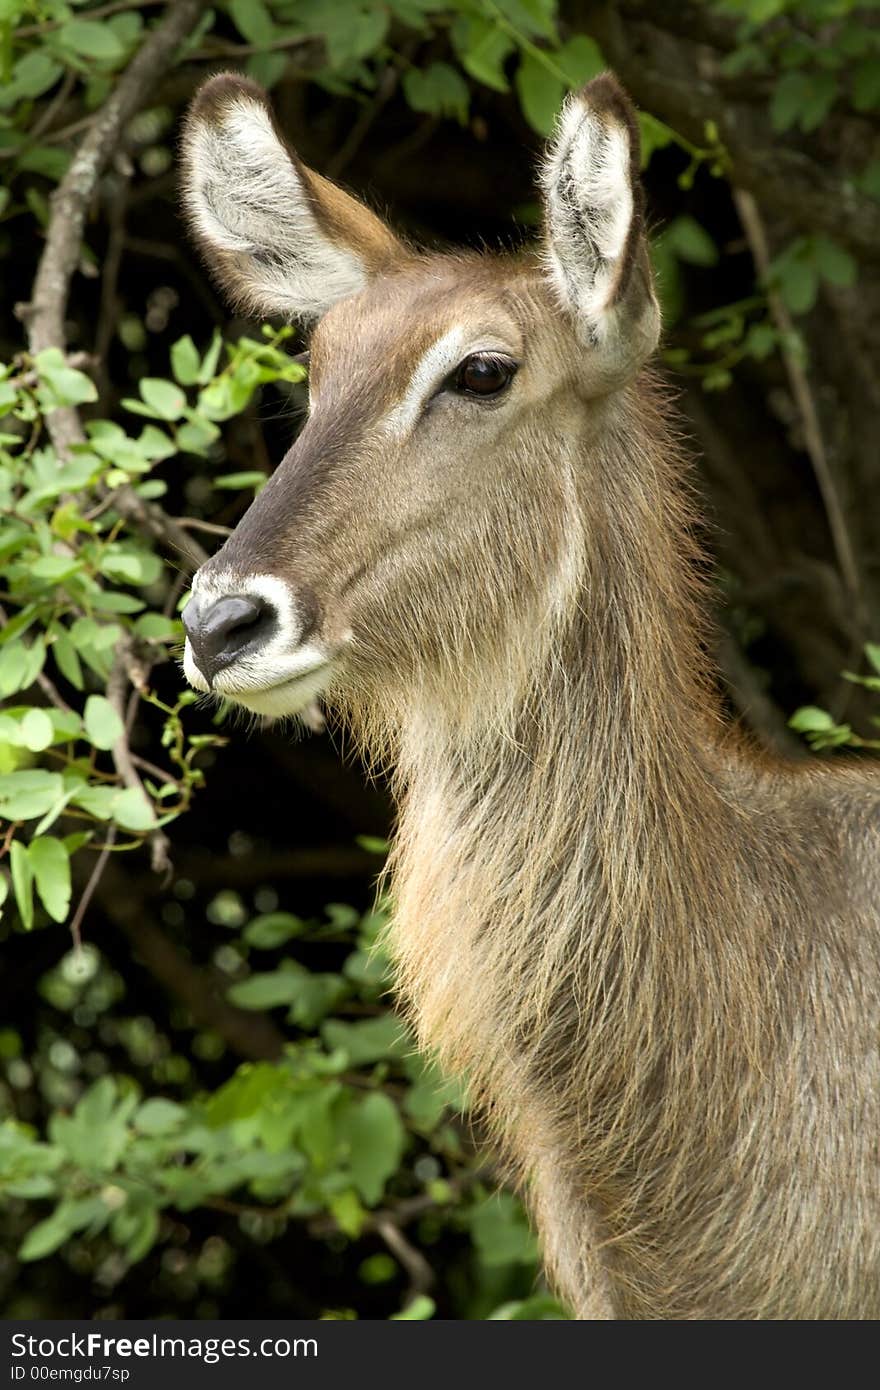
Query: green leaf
(273, 929)
(185, 361)
(210, 360)
(33, 75)
(438, 89)
(196, 435)
(68, 1217)
(45, 159)
(353, 33)
(136, 1227)
(233, 481)
(155, 627)
(866, 85)
(103, 725)
(164, 398)
(419, 1310)
(501, 1232)
(154, 445)
(868, 180)
(834, 263)
(90, 39)
(30, 793)
(133, 811)
(372, 1040)
(797, 280)
(36, 730)
(54, 569)
(62, 385)
(539, 1308)
(97, 1133)
(373, 844)
(267, 68)
(269, 989)
(252, 20)
(98, 801)
(374, 1131)
(348, 1212)
(872, 652)
(530, 16)
(483, 49)
(20, 664)
(691, 242)
(540, 93)
(159, 1116)
(810, 719)
(130, 565)
(789, 96)
(580, 59)
(22, 882)
(51, 867)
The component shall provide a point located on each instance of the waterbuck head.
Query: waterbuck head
(430, 515)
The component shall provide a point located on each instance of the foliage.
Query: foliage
(822, 730)
(349, 1129)
(137, 1151)
(83, 592)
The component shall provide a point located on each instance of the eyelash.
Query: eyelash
(455, 380)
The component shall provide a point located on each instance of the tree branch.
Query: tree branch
(69, 208)
(70, 201)
(753, 226)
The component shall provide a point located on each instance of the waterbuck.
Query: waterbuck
(652, 949)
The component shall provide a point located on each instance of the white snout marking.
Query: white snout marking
(285, 674)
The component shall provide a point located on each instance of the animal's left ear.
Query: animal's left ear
(596, 250)
(279, 237)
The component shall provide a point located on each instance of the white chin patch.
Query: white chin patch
(291, 697)
(285, 674)
(274, 698)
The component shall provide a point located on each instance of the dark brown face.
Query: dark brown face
(430, 501)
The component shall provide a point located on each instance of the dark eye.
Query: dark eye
(483, 374)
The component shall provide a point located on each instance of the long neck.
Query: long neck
(574, 870)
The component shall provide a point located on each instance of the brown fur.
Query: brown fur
(652, 950)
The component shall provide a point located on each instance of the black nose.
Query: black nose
(224, 629)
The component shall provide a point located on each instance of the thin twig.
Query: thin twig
(155, 771)
(195, 523)
(70, 202)
(421, 1275)
(385, 89)
(753, 226)
(408, 1209)
(55, 105)
(48, 688)
(88, 892)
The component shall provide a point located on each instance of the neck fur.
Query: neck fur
(566, 927)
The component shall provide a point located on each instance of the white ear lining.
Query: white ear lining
(246, 197)
(590, 208)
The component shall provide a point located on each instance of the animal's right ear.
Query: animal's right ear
(280, 238)
(596, 252)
